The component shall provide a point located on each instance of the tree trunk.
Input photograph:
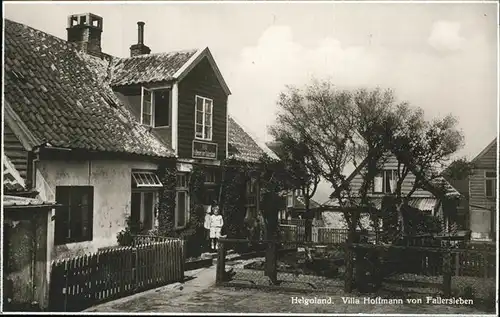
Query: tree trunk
(349, 262)
(308, 220)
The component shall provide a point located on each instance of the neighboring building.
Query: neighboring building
(463, 214)
(383, 184)
(483, 193)
(26, 251)
(92, 131)
(296, 208)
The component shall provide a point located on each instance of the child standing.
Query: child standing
(216, 223)
(206, 225)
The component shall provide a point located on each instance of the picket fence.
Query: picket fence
(80, 282)
(293, 233)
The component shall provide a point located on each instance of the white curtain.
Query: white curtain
(378, 183)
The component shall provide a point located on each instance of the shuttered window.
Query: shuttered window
(74, 218)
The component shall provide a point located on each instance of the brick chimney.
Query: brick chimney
(85, 29)
(139, 48)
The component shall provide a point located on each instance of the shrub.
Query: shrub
(491, 300)
(467, 292)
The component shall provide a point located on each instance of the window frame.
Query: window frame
(72, 191)
(289, 199)
(153, 106)
(383, 172)
(142, 185)
(184, 188)
(493, 180)
(210, 177)
(154, 211)
(203, 113)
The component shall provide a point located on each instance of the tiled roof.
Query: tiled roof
(148, 68)
(12, 180)
(241, 145)
(63, 99)
(441, 182)
(299, 203)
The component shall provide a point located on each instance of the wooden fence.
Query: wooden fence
(81, 282)
(292, 233)
(145, 239)
(331, 235)
(433, 261)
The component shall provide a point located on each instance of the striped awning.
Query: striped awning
(427, 204)
(144, 179)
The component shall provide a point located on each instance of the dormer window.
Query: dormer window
(155, 107)
(203, 118)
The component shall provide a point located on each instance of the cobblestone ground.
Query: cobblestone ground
(200, 295)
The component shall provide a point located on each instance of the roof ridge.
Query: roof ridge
(185, 51)
(260, 143)
(26, 26)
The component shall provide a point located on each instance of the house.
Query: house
(296, 208)
(384, 184)
(483, 193)
(110, 138)
(463, 214)
(26, 251)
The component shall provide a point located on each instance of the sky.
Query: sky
(441, 57)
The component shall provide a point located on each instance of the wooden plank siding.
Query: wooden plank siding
(15, 151)
(203, 82)
(481, 217)
(390, 163)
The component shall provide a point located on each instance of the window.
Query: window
(210, 177)
(203, 118)
(251, 198)
(385, 181)
(74, 219)
(490, 184)
(289, 199)
(155, 107)
(143, 208)
(182, 200)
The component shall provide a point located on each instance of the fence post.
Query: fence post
(221, 259)
(348, 280)
(271, 262)
(485, 263)
(447, 273)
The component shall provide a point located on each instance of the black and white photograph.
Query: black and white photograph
(250, 157)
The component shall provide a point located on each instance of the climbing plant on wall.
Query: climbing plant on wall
(167, 172)
(233, 197)
(196, 188)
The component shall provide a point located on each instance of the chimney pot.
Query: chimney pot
(139, 48)
(140, 32)
(85, 29)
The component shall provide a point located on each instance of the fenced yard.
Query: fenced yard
(320, 267)
(81, 282)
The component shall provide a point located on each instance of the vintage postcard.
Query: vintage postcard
(271, 157)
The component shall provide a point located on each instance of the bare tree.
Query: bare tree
(323, 117)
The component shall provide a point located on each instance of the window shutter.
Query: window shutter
(88, 214)
(62, 214)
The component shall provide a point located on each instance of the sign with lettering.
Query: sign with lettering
(204, 150)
